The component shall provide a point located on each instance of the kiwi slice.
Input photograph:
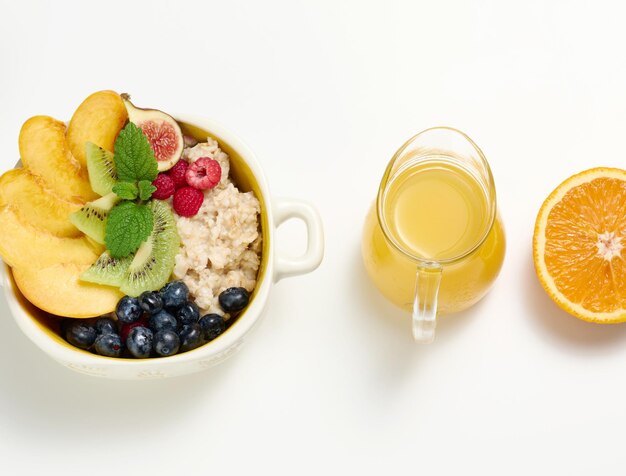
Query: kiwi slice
(107, 270)
(91, 219)
(154, 261)
(101, 168)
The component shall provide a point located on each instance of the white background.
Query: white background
(324, 92)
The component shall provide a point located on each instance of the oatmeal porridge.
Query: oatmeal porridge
(221, 245)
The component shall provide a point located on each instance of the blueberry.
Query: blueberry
(212, 325)
(65, 325)
(126, 328)
(80, 334)
(139, 342)
(190, 337)
(162, 321)
(106, 325)
(234, 299)
(166, 343)
(128, 310)
(109, 345)
(151, 302)
(175, 294)
(188, 313)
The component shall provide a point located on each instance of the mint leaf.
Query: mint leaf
(127, 227)
(134, 158)
(126, 190)
(146, 189)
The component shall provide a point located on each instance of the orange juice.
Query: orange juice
(436, 209)
(436, 219)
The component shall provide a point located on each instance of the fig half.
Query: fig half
(162, 131)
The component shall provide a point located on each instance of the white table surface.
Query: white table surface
(324, 92)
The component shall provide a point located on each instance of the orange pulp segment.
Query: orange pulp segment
(578, 245)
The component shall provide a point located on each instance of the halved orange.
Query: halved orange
(579, 245)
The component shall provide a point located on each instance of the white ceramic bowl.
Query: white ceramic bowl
(274, 267)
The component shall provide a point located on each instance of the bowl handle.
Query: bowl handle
(284, 209)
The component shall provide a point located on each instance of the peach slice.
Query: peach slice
(24, 245)
(58, 290)
(44, 153)
(26, 196)
(98, 119)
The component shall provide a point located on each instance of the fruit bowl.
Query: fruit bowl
(43, 329)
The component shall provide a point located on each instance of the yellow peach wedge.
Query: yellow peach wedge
(57, 289)
(98, 119)
(26, 196)
(44, 153)
(26, 246)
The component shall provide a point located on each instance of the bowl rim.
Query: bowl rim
(69, 355)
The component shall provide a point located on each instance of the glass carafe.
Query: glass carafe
(433, 242)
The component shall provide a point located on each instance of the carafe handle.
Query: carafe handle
(425, 303)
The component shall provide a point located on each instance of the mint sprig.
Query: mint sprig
(146, 189)
(126, 190)
(134, 158)
(129, 224)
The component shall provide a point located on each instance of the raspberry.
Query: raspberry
(178, 173)
(187, 201)
(164, 187)
(204, 174)
(126, 328)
